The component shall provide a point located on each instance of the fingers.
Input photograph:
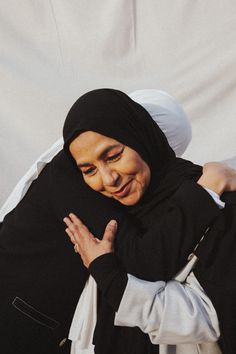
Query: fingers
(70, 224)
(77, 221)
(70, 230)
(110, 231)
(86, 244)
(70, 234)
(80, 236)
(75, 227)
(75, 224)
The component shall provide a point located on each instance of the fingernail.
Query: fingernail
(113, 223)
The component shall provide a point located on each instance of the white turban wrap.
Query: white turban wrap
(169, 116)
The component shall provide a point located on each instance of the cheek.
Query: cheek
(94, 183)
(97, 186)
(142, 173)
(137, 168)
(131, 165)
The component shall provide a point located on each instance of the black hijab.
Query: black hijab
(114, 114)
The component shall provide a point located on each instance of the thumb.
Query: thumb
(110, 231)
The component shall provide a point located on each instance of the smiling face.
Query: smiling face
(110, 167)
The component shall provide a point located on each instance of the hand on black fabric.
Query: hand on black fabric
(88, 246)
(218, 177)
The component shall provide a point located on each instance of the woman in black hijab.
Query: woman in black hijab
(156, 204)
(41, 278)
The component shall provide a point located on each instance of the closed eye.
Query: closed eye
(89, 171)
(114, 157)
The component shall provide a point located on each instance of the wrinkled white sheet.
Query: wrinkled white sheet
(52, 51)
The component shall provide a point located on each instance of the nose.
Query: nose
(110, 177)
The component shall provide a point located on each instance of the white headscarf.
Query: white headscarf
(169, 116)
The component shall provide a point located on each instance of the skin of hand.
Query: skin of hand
(88, 246)
(218, 177)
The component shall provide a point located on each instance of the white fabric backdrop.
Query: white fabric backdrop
(51, 51)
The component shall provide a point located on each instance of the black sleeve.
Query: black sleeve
(110, 277)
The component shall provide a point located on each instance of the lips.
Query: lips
(123, 191)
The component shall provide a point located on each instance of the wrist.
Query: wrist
(94, 257)
(217, 186)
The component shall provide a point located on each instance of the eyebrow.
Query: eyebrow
(101, 155)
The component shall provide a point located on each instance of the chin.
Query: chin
(129, 201)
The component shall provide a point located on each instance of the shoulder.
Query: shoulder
(64, 178)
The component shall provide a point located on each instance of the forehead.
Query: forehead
(91, 143)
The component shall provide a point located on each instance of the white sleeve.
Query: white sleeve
(25, 182)
(216, 198)
(170, 313)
